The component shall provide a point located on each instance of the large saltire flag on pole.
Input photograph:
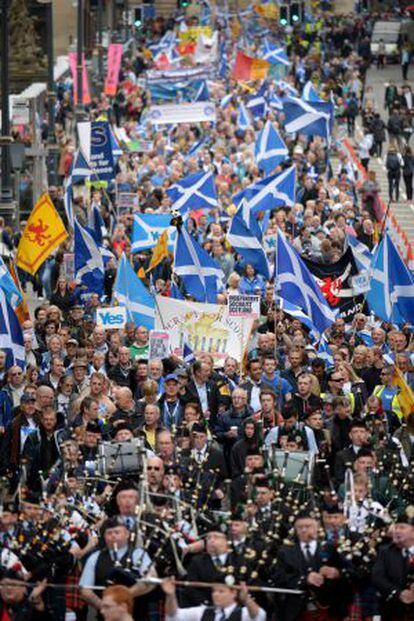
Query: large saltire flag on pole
(270, 150)
(131, 293)
(43, 233)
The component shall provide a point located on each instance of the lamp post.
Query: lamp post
(99, 41)
(51, 96)
(79, 62)
(6, 195)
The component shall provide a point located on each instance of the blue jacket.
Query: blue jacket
(252, 286)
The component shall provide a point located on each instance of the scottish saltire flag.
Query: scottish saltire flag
(275, 102)
(392, 285)
(89, 266)
(222, 65)
(274, 55)
(202, 94)
(188, 354)
(11, 335)
(257, 104)
(226, 100)
(243, 118)
(8, 285)
(310, 93)
(309, 119)
(296, 312)
(245, 235)
(196, 147)
(131, 293)
(168, 41)
(80, 171)
(97, 228)
(295, 283)
(287, 88)
(325, 352)
(195, 191)
(362, 254)
(199, 273)
(275, 191)
(147, 228)
(270, 150)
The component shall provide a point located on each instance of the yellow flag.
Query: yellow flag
(43, 233)
(160, 251)
(406, 395)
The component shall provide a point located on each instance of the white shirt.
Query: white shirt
(310, 545)
(140, 560)
(199, 454)
(195, 613)
(202, 395)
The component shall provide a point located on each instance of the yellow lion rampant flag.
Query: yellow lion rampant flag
(43, 233)
(160, 251)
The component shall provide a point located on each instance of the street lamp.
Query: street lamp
(51, 95)
(6, 195)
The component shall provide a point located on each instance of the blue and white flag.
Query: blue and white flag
(202, 93)
(147, 228)
(392, 285)
(275, 102)
(257, 104)
(270, 150)
(8, 285)
(275, 191)
(245, 235)
(243, 118)
(131, 293)
(80, 168)
(274, 55)
(96, 145)
(196, 147)
(226, 100)
(175, 291)
(287, 88)
(325, 352)
(295, 283)
(296, 312)
(188, 354)
(168, 41)
(222, 63)
(89, 266)
(362, 254)
(11, 335)
(199, 273)
(196, 191)
(97, 229)
(314, 119)
(310, 93)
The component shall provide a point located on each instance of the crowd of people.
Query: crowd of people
(284, 479)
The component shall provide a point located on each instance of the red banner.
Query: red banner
(114, 65)
(86, 97)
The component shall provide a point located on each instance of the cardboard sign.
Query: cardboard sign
(158, 345)
(125, 202)
(21, 113)
(244, 306)
(111, 318)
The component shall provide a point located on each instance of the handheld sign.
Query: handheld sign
(244, 305)
(111, 318)
(158, 345)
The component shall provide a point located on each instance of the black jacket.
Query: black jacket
(213, 398)
(389, 577)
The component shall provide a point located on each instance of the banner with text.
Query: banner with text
(114, 66)
(95, 143)
(244, 306)
(205, 327)
(195, 112)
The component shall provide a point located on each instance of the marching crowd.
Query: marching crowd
(285, 478)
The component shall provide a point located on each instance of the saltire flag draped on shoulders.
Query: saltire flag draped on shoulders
(295, 283)
(270, 150)
(302, 117)
(392, 285)
(246, 68)
(245, 235)
(43, 233)
(196, 191)
(276, 55)
(335, 282)
(11, 335)
(275, 191)
(131, 293)
(89, 265)
(147, 229)
(201, 275)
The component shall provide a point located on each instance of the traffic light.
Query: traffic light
(183, 4)
(295, 13)
(138, 17)
(284, 15)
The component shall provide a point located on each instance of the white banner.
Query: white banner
(206, 328)
(194, 112)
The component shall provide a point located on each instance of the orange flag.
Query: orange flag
(22, 311)
(247, 68)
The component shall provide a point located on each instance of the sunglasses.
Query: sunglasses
(156, 468)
